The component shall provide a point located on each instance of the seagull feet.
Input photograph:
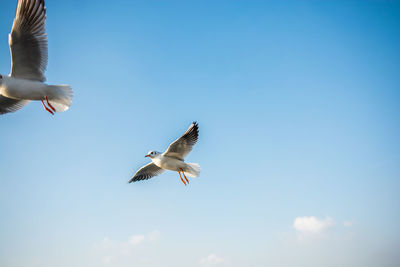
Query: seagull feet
(183, 181)
(184, 175)
(181, 170)
(48, 103)
(52, 109)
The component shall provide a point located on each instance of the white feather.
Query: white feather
(61, 97)
(192, 169)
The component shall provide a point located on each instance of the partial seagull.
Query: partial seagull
(28, 46)
(173, 158)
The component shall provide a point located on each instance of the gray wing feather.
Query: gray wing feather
(184, 144)
(10, 105)
(28, 41)
(146, 172)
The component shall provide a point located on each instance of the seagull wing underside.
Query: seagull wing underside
(28, 41)
(184, 144)
(10, 105)
(146, 172)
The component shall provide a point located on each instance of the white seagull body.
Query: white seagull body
(173, 158)
(28, 46)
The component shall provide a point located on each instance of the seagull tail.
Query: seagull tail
(192, 169)
(60, 97)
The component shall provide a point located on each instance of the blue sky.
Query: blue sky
(298, 107)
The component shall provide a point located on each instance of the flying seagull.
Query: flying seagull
(28, 46)
(173, 158)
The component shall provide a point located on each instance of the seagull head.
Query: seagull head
(152, 154)
(1, 79)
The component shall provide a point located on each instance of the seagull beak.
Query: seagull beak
(147, 156)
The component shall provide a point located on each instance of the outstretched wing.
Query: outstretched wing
(146, 172)
(28, 41)
(10, 105)
(184, 144)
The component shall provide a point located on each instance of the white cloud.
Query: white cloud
(107, 259)
(154, 235)
(348, 223)
(136, 239)
(212, 259)
(112, 251)
(312, 225)
(106, 243)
